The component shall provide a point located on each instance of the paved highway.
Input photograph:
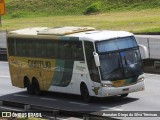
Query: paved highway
(148, 100)
(5, 83)
(149, 36)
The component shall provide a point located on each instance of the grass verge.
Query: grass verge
(147, 20)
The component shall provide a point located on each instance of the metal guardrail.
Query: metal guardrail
(3, 54)
(48, 112)
(152, 45)
(3, 51)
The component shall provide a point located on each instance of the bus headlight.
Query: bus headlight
(106, 85)
(140, 79)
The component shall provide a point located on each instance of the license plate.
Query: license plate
(126, 89)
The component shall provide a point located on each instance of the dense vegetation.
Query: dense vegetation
(138, 16)
(31, 8)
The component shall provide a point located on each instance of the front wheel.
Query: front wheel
(85, 94)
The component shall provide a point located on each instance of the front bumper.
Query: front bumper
(112, 91)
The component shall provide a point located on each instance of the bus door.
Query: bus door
(93, 70)
(62, 76)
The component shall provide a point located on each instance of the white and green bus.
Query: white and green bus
(75, 60)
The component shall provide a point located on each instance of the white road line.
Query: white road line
(3, 62)
(6, 108)
(17, 95)
(4, 76)
(48, 99)
(70, 118)
(78, 103)
(115, 109)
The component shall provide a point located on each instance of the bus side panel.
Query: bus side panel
(16, 71)
(41, 69)
(64, 78)
(48, 75)
(80, 74)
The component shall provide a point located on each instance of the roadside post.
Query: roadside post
(2, 11)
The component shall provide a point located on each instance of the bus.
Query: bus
(75, 60)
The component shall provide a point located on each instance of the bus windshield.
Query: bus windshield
(120, 58)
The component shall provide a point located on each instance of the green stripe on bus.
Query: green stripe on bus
(63, 72)
(64, 38)
(58, 72)
(69, 38)
(68, 72)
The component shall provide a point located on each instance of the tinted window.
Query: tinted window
(51, 49)
(77, 51)
(68, 50)
(93, 70)
(11, 47)
(40, 49)
(116, 44)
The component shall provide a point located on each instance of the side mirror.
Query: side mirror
(145, 51)
(96, 58)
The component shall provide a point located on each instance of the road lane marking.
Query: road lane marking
(48, 99)
(78, 103)
(17, 95)
(70, 118)
(115, 109)
(4, 76)
(10, 109)
(3, 62)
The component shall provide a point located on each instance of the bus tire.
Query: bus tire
(28, 86)
(124, 95)
(85, 93)
(36, 87)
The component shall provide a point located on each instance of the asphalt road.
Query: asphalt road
(5, 83)
(148, 100)
(149, 36)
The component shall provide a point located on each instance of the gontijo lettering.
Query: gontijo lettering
(39, 64)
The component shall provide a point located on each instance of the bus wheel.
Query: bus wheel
(36, 88)
(84, 93)
(124, 95)
(28, 86)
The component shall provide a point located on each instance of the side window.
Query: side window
(61, 51)
(20, 47)
(71, 50)
(78, 51)
(40, 48)
(27, 46)
(11, 47)
(51, 49)
(65, 50)
(93, 70)
(31, 44)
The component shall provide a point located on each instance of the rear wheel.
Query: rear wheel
(84, 93)
(36, 88)
(28, 86)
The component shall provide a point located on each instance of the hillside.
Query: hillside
(38, 8)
